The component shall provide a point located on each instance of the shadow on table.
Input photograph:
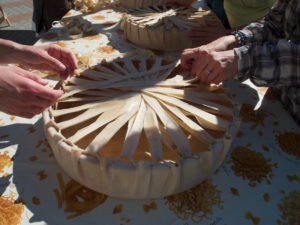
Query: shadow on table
(26, 37)
(35, 176)
(4, 183)
(34, 170)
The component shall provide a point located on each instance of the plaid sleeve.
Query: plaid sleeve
(269, 64)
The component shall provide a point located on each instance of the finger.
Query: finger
(204, 72)
(33, 77)
(211, 76)
(188, 56)
(67, 73)
(219, 79)
(51, 59)
(41, 102)
(35, 110)
(46, 92)
(54, 64)
(201, 75)
(200, 64)
(71, 58)
(66, 57)
(27, 115)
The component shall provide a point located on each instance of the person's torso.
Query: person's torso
(291, 20)
(243, 12)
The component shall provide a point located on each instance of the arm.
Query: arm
(45, 57)
(270, 59)
(7, 49)
(23, 93)
(270, 64)
(193, 56)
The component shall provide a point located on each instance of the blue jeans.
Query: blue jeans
(217, 6)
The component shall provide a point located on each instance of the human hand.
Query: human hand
(211, 31)
(186, 3)
(210, 66)
(23, 93)
(47, 57)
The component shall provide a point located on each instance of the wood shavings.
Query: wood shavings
(267, 197)
(118, 209)
(249, 216)
(251, 165)
(289, 142)
(294, 177)
(33, 158)
(31, 129)
(289, 207)
(87, 6)
(42, 175)
(43, 145)
(77, 198)
(196, 203)
(256, 117)
(148, 207)
(235, 191)
(10, 212)
(36, 200)
(106, 49)
(62, 44)
(5, 161)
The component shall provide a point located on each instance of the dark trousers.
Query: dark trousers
(217, 6)
(47, 11)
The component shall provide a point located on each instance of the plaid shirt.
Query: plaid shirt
(271, 56)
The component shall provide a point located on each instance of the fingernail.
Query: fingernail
(63, 67)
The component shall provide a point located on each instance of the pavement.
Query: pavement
(19, 13)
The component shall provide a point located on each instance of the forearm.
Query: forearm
(270, 64)
(9, 50)
(222, 44)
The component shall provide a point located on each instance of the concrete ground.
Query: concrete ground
(19, 13)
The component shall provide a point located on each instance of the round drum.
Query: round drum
(140, 128)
